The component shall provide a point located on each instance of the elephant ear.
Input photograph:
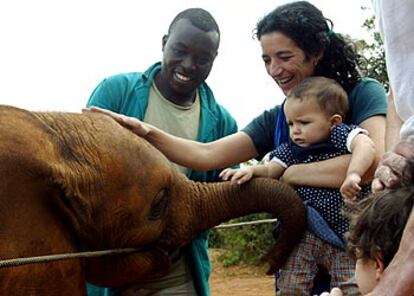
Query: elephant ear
(30, 207)
(74, 199)
(73, 168)
(38, 150)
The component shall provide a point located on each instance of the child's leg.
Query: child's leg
(340, 265)
(296, 276)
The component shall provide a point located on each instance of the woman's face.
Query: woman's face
(285, 62)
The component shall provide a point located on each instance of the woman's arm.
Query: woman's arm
(328, 173)
(331, 173)
(224, 152)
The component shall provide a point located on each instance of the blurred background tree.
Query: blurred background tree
(373, 51)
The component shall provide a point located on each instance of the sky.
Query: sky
(53, 53)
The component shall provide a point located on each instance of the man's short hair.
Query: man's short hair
(199, 17)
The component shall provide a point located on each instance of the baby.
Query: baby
(315, 111)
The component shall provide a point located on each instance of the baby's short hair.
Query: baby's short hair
(377, 223)
(329, 94)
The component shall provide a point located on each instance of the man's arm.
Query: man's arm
(331, 173)
(389, 170)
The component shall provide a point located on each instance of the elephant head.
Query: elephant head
(76, 182)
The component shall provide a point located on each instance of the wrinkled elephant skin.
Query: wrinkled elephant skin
(80, 182)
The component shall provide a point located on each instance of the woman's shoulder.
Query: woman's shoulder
(261, 130)
(367, 98)
(367, 84)
(367, 89)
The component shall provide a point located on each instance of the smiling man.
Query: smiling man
(173, 96)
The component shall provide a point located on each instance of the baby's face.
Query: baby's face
(308, 124)
(366, 275)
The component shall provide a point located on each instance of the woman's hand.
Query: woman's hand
(136, 126)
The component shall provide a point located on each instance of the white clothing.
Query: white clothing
(395, 23)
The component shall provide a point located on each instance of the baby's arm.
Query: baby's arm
(270, 170)
(363, 156)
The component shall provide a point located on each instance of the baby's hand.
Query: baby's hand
(239, 175)
(350, 188)
(334, 292)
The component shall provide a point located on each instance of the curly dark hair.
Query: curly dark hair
(312, 32)
(377, 223)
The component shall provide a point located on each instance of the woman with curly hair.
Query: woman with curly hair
(297, 42)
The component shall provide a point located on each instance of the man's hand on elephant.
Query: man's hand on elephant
(239, 175)
(136, 126)
(394, 166)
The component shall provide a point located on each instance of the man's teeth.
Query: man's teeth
(284, 81)
(182, 77)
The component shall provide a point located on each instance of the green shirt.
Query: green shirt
(128, 94)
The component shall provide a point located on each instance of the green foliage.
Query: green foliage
(215, 239)
(247, 243)
(374, 53)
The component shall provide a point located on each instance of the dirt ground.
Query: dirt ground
(239, 280)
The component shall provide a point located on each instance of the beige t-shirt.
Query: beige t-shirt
(180, 121)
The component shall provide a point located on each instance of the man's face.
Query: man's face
(189, 54)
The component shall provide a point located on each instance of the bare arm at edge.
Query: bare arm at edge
(393, 126)
(385, 174)
(331, 173)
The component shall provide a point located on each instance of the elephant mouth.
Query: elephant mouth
(168, 253)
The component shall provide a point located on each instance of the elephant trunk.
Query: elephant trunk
(211, 204)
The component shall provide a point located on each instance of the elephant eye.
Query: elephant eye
(159, 205)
